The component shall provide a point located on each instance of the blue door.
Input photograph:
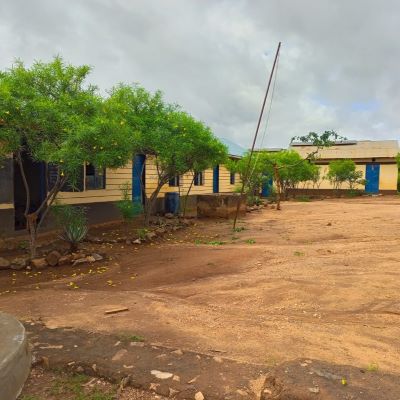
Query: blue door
(138, 176)
(266, 188)
(372, 178)
(216, 179)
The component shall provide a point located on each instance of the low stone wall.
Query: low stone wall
(15, 357)
(220, 205)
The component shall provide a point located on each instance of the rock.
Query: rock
(169, 215)
(52, 258)
(199, 396)
(178, 352)
(80, 261)
(119, 355)
(150, 236)
(64, 260)
(218, 359)
(161, 374)
(80, 369)
(4, 263)
(137, 241)
(314, 390)
(160, 231)
(97, 257)
(39, 263)
(176, 378)
(90, 259)
(19, 263)
(77, 256)
(94, 239)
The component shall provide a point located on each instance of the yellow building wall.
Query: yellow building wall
(326, 184)
(114, 179)
(225, 180)
(186, 179)
(388, 177)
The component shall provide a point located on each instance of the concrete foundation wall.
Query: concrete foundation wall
(220, 205)
(15, 357)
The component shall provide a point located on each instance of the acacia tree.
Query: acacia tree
(50, 114)
(341, 171)
(260, 172)
(173, 139)
(181, 144)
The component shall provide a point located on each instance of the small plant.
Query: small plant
(216, 243)
(72, 221)
(142, 233)
(372, 367)
(298, 253)
(239, 229)
(250, 241)
(127, 208)
(131, 338)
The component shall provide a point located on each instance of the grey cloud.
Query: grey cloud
(213, 57)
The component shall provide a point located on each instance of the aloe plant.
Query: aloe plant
(72, 221)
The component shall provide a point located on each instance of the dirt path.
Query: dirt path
(317, 280)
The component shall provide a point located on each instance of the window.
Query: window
(232, 178)
(174, 181)
(199, 179)
(95, 178)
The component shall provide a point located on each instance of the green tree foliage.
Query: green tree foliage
(293, 169)
(178, 142)
(51, 114)
(341, 171)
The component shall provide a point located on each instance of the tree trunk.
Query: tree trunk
(278, 188)
(150, 203)
(186, 197)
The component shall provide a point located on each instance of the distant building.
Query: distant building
(376, 160)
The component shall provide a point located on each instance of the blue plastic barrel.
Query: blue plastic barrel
(172, 202)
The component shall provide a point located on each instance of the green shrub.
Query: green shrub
(126, 206)
(303, 198)
(73, 223)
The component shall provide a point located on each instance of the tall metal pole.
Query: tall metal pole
(246, 176)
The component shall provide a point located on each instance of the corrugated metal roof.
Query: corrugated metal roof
(233, 148)
(358, 149)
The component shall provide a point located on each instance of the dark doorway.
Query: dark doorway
(35, 175)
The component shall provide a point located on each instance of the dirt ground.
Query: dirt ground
(316, 280)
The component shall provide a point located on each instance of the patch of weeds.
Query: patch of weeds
(69, 384)
(131, 338)
(198, 241)
(142, 233)
(239, 229)
(23, 245)
(72, 385)
(304, 199)
(372, 367)
(215, 243)
(299, 253)
(250, 241)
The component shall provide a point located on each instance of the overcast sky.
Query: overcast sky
(339, 66)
